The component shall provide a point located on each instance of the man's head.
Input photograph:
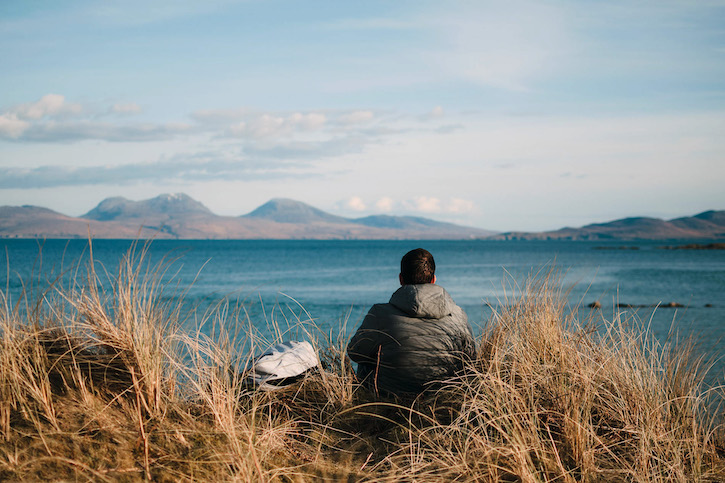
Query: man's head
(416, 267)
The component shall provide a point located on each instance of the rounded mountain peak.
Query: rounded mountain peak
(285, 210)
(172, 204)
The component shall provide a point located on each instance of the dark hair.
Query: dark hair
(417, 266)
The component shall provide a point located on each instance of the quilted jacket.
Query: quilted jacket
(419, 337)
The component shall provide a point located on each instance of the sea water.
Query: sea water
(333, 283)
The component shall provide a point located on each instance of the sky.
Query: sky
(515, 115)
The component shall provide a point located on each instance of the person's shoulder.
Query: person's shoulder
(460, 310)
(450, 303)
(383, 311)
(383, 307)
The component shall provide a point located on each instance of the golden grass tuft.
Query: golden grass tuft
(104, 384)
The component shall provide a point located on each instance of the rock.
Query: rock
(695, 246)
(595, 305)
(668, 305)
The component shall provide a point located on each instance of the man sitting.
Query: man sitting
(419, 337)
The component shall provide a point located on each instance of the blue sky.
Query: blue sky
(514, 115)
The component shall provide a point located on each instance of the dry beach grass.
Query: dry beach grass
(103, 384)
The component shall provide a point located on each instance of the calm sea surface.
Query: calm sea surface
(332, 281)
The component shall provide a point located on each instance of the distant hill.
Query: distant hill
(180, 216)
(712, 221)
(169, 205)
(36, 222)
(284, 210)
(311, 220)
(710, 224)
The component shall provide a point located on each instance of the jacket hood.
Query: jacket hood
(423, 301)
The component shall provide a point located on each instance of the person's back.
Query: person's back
(419, 337)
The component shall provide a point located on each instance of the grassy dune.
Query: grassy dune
(102, 384)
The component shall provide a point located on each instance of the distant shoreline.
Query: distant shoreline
(178, 216)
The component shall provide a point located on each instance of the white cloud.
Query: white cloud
(356, 117)
(431, 204)
(47, 106)
(127, 108)
(238, 129)
(12, 127)
(355, 203)
(307, 149)
(53, 119)
(422, 204)
(384, 204)
(213, 116)
(310, 121)
(271, 134)
(425, 204)
(268, 126)
(271, 126)
(436, 113)
(458, 205)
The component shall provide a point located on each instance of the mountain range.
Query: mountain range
(706, 225)
(179, 216)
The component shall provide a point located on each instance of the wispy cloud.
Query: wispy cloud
(316, 149)
(432, 204)
(436, 113)
(311, 134)
(48, 106)
(237, 143)
(355, 117)
(52, 119)
(66, 132)
(459, 205)
(126, 108)
(249, 123)
(14, 122)
(424, 204)
(267, 126)
(194, 167)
